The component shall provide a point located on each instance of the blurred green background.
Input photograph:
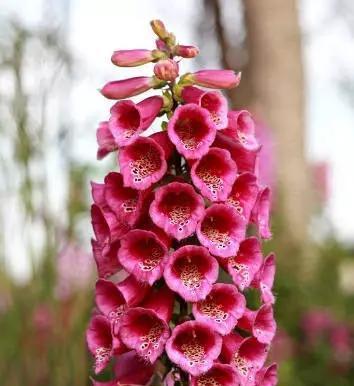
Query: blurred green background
(297, 59)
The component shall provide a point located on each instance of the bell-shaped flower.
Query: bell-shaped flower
(193, 346)
(129, 119)
(161, 137)
(147, 225)
(261, 213)
(142, 163)
(190, 272)
(260, 323)
(143, 255)
(105, 140)
(264, 279)
(221, 309)
(244, 194)
(268, 376)
(214, 174)
(244, 266)
(216, 78)
(219, 375)
(221, 230)
(176, 209)
(213, 101)
(191, 130)
(106, 258)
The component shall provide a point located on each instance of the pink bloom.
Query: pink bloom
(128, 119)
(213, 101)
(105, 140)
(260, 213)
(186, 51)
(190, 272)
(216, 78)
(221, 309)
(177, 208)
(132, 58)
(161, 45)
(106, 258)
(264, 279)
(100, 226)
(162, 301)
(267, 376)
(244, 266)
(166, 69)
(142, 163)
(221, 230)
(143, 254)
(341, 342)
(161, 137)
(193, 346)
(192, 130)
(244, 194)
(133, 290)
(214, 174)
(147, 225)
(260, 322)
(218, 375)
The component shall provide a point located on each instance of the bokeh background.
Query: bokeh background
(297, 59)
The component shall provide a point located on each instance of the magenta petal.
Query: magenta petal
(132, 58)
(100, 226)
(177, 208)
(120, 89)
(133, 290)
(261, 212)
(219, 375)
(161, 300)
(194, 346)
(142, 163)
(190, 272)
(264, 325)
(106, 258)
(264, 279)
(143, 255)
(105, 140)
(221, 230)
(216, 78)
(161, 137)
(221, 309)
(214, 174)
(267, 376)
(191, 130)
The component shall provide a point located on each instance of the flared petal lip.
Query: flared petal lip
(230, 374)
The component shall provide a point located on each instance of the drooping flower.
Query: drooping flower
(176, 209)
(143, 255)
(244, 266)
(221, 230)
(105, 140)
(166, 69)
(264, 279)
(190, 272)
(221, 309)
(132, 58)
(261, 212)
(267, 376)
(213, 101)
(142, 163)
(128, 119)
(219, 375)
(106, 258)
(216, 78)
(192, 130)
(186, 51)
(194, 346)
(133, 290)
(161, 137)
(214, 174)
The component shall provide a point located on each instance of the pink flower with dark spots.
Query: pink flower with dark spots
(166, 69)
(213, 101)
(176, 209)
(105, 140)
(161, 137)
(221, 309)
(133, 290)
(186, 51)
(260, 323)
(132, 58)
(214, 174)
(219, 375)
(194, 346)
(261, 213)
(264, 279)
(147, 225)
(142, 163)
(106, 258)
(268, 376)
(128, 119)
(216, 78)
(143, 255)
(190, 272)
(244, 266)
(161, 300)
(243, 194)
(192, 130)
(221, 230)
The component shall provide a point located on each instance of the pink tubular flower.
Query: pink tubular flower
(128, 119)
(213, 101)
(186, 51)
(260, 213)
(244, 266)
(190, 272)
(142, 163)
(221, 230)
(218, 375)
(105, 140)
(194, 346)
(244, 194)
(267, 376)
(106, 258)
(176, 209)
(221, 309)
(214, 174)
(264, 279)
(261, 323)
(161, 137)
(132, 58)
(166, 69)
(191, 130)
(143, 255)
(216, 78)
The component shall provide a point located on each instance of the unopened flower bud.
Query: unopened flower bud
(159, 28)
(161, 45)
(131, 58)
(186, 51)
(166, 69)
(126, 88)
(216, 78)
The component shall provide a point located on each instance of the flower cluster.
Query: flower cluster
(184, 209)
